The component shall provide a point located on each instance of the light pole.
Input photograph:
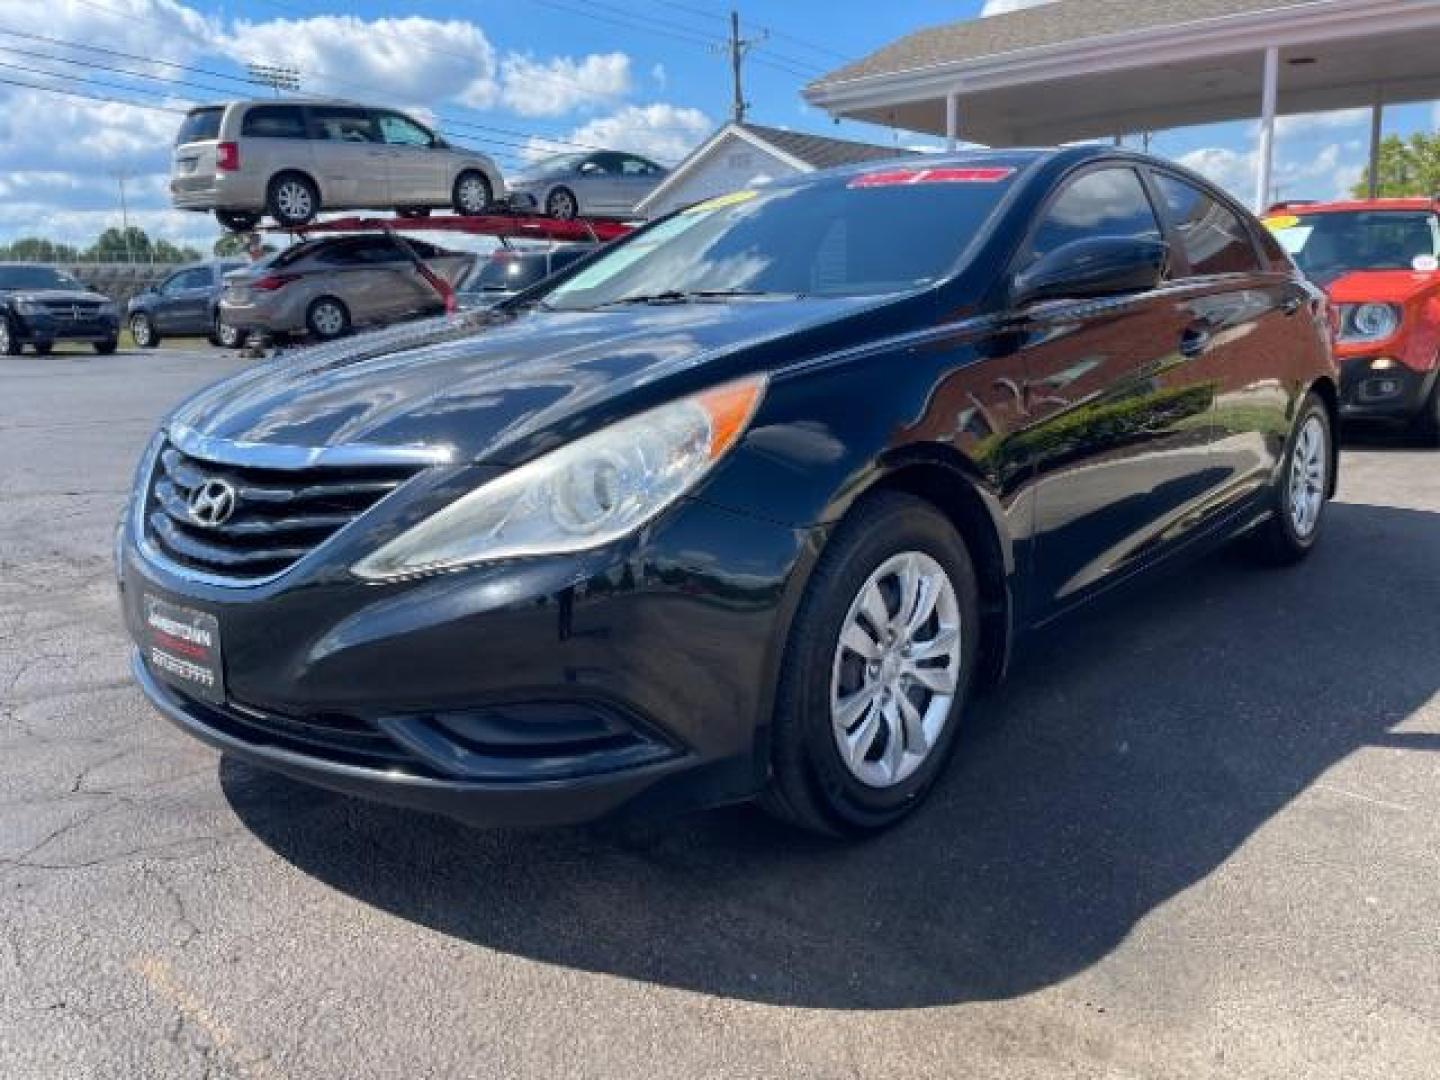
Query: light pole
(121, 176)
(276, 76)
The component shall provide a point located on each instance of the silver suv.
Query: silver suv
(293, 158)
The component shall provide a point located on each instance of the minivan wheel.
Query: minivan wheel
(292, 200)
(562, 205)
(472, 194)
(1302, 490)
(327, 318)
(876, 672)
(142, 329)
(237, 220)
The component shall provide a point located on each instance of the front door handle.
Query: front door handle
(1196, 339)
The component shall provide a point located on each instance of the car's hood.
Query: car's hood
(487, 383)
(1380, 286)
(48, 296)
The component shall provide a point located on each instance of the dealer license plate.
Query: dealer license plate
(182, 646)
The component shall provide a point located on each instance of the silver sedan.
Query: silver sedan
(605, 183)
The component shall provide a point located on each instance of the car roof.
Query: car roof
(1344, 206)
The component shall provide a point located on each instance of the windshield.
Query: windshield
(199, 125)
(554, 166)
(507, 272)
(1324, 245)
(36, 277)
(878, 233)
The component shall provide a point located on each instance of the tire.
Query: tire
(292, 199)
(239, 221)
(142, 329)
(107, 347)
(9, 339)
(813, 785)
(327, 318)
(562, 205)
(1427, 424)
(1292, 533)
(225, 336)
(472, 194)
(412, 211)
(43, 348)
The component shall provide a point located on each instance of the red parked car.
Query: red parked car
(1379, 260)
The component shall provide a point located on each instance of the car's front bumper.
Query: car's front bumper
(535, 693)
(39, 328)
(1392, 391)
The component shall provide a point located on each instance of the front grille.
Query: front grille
(72, 310)
(271, 517)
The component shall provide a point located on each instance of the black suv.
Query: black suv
(40, 305)
(186, 302)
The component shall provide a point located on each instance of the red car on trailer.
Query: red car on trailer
(1379, 259)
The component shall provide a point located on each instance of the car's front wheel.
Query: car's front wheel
(223, 334)
(1302, 491)
(472, 195)
(107, 347)
(327, 318)
(877, 670)
(292, 200)
(562, 205)
(142, 330)
(9, 339)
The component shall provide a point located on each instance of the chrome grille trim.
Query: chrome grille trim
(283, 514)
(252, 455)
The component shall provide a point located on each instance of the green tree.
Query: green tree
(1407, 167)
(116, 245)
(38, 249)
(166, 252)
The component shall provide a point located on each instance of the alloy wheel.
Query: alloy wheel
(227, 335)
(896, 669)
(474, 193)
(1308, 470)
(327, 319)
(5, 344)
(562, 205)
(292, 199)
(140, 331)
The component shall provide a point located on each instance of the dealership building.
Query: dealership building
(1071, 70)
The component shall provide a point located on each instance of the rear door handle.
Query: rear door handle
(1196, 339)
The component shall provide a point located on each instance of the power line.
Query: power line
(770, 27)
(91, 97)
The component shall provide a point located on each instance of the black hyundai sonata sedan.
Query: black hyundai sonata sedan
(745, 506)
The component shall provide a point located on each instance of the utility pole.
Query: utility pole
(121, 176)
(739, 47)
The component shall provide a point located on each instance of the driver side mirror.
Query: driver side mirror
(1091, 269)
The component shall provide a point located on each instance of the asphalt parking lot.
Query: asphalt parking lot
(1196, 835)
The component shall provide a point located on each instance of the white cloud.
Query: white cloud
(562, 84)
(122, 25)
(660, 131)
(409, 61)
(660, 75)
(1328, 173)
(1003, 7)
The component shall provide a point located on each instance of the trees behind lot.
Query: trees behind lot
(1407, 167)
(112, 245)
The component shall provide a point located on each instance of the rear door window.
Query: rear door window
(273, 122)
(1102, 202)
(340, 124)
(200, 125)
(1215, 240)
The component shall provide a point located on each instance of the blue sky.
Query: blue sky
(504, 76)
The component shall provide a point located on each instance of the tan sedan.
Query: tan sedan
(325, 287)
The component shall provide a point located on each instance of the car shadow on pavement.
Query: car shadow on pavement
(1141, 745)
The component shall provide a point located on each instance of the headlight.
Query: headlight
(1369, 322)
(581, 496)
(109, 307)
(30, 307)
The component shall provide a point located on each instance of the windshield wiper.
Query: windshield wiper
(687, 296)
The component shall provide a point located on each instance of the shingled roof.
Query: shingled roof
(1056, 23)
(821, 151)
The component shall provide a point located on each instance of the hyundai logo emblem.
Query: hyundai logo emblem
(212, 503)
(76, 313)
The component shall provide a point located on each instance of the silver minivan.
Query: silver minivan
(292, 158)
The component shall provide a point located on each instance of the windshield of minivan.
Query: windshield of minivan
(866, 235)
(1346, 241)
(199, 125)
(36, 277)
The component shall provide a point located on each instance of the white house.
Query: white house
(740, 155)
